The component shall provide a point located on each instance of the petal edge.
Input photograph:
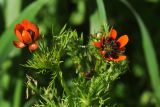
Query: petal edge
(123, 40)
(33, 47)
(113, 33)
(26, 37)
(120, 58)
(98, 44)
(18, 44)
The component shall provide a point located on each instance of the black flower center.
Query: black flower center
(111, 47)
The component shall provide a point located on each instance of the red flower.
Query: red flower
(27, 34)
(110, 48)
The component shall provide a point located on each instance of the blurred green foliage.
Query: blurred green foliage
(136, 88)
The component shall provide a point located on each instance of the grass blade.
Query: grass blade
(149, 52)
(94, 22)
(98, 18)
(101, 11)
(9, 16)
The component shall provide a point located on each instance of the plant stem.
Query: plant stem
(64, 84)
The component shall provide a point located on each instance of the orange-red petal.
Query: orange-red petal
(26, 37)
(18, 27)
(120, 58)
(25, 24)
(35, 29)
(98, 44)
(19, 35)
(18, 44)
(30, 26)
(123, 40)
(18, 31)
(113, 33)
(103, 52)
(33, 47)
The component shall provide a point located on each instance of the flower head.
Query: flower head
(110, 48)
(27, 34)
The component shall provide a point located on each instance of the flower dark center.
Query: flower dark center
(111, 47)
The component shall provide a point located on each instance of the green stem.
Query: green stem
(64, 84)
(97, 65)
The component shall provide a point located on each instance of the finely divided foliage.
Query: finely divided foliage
(91, 77)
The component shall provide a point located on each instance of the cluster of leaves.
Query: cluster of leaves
(91, 84)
